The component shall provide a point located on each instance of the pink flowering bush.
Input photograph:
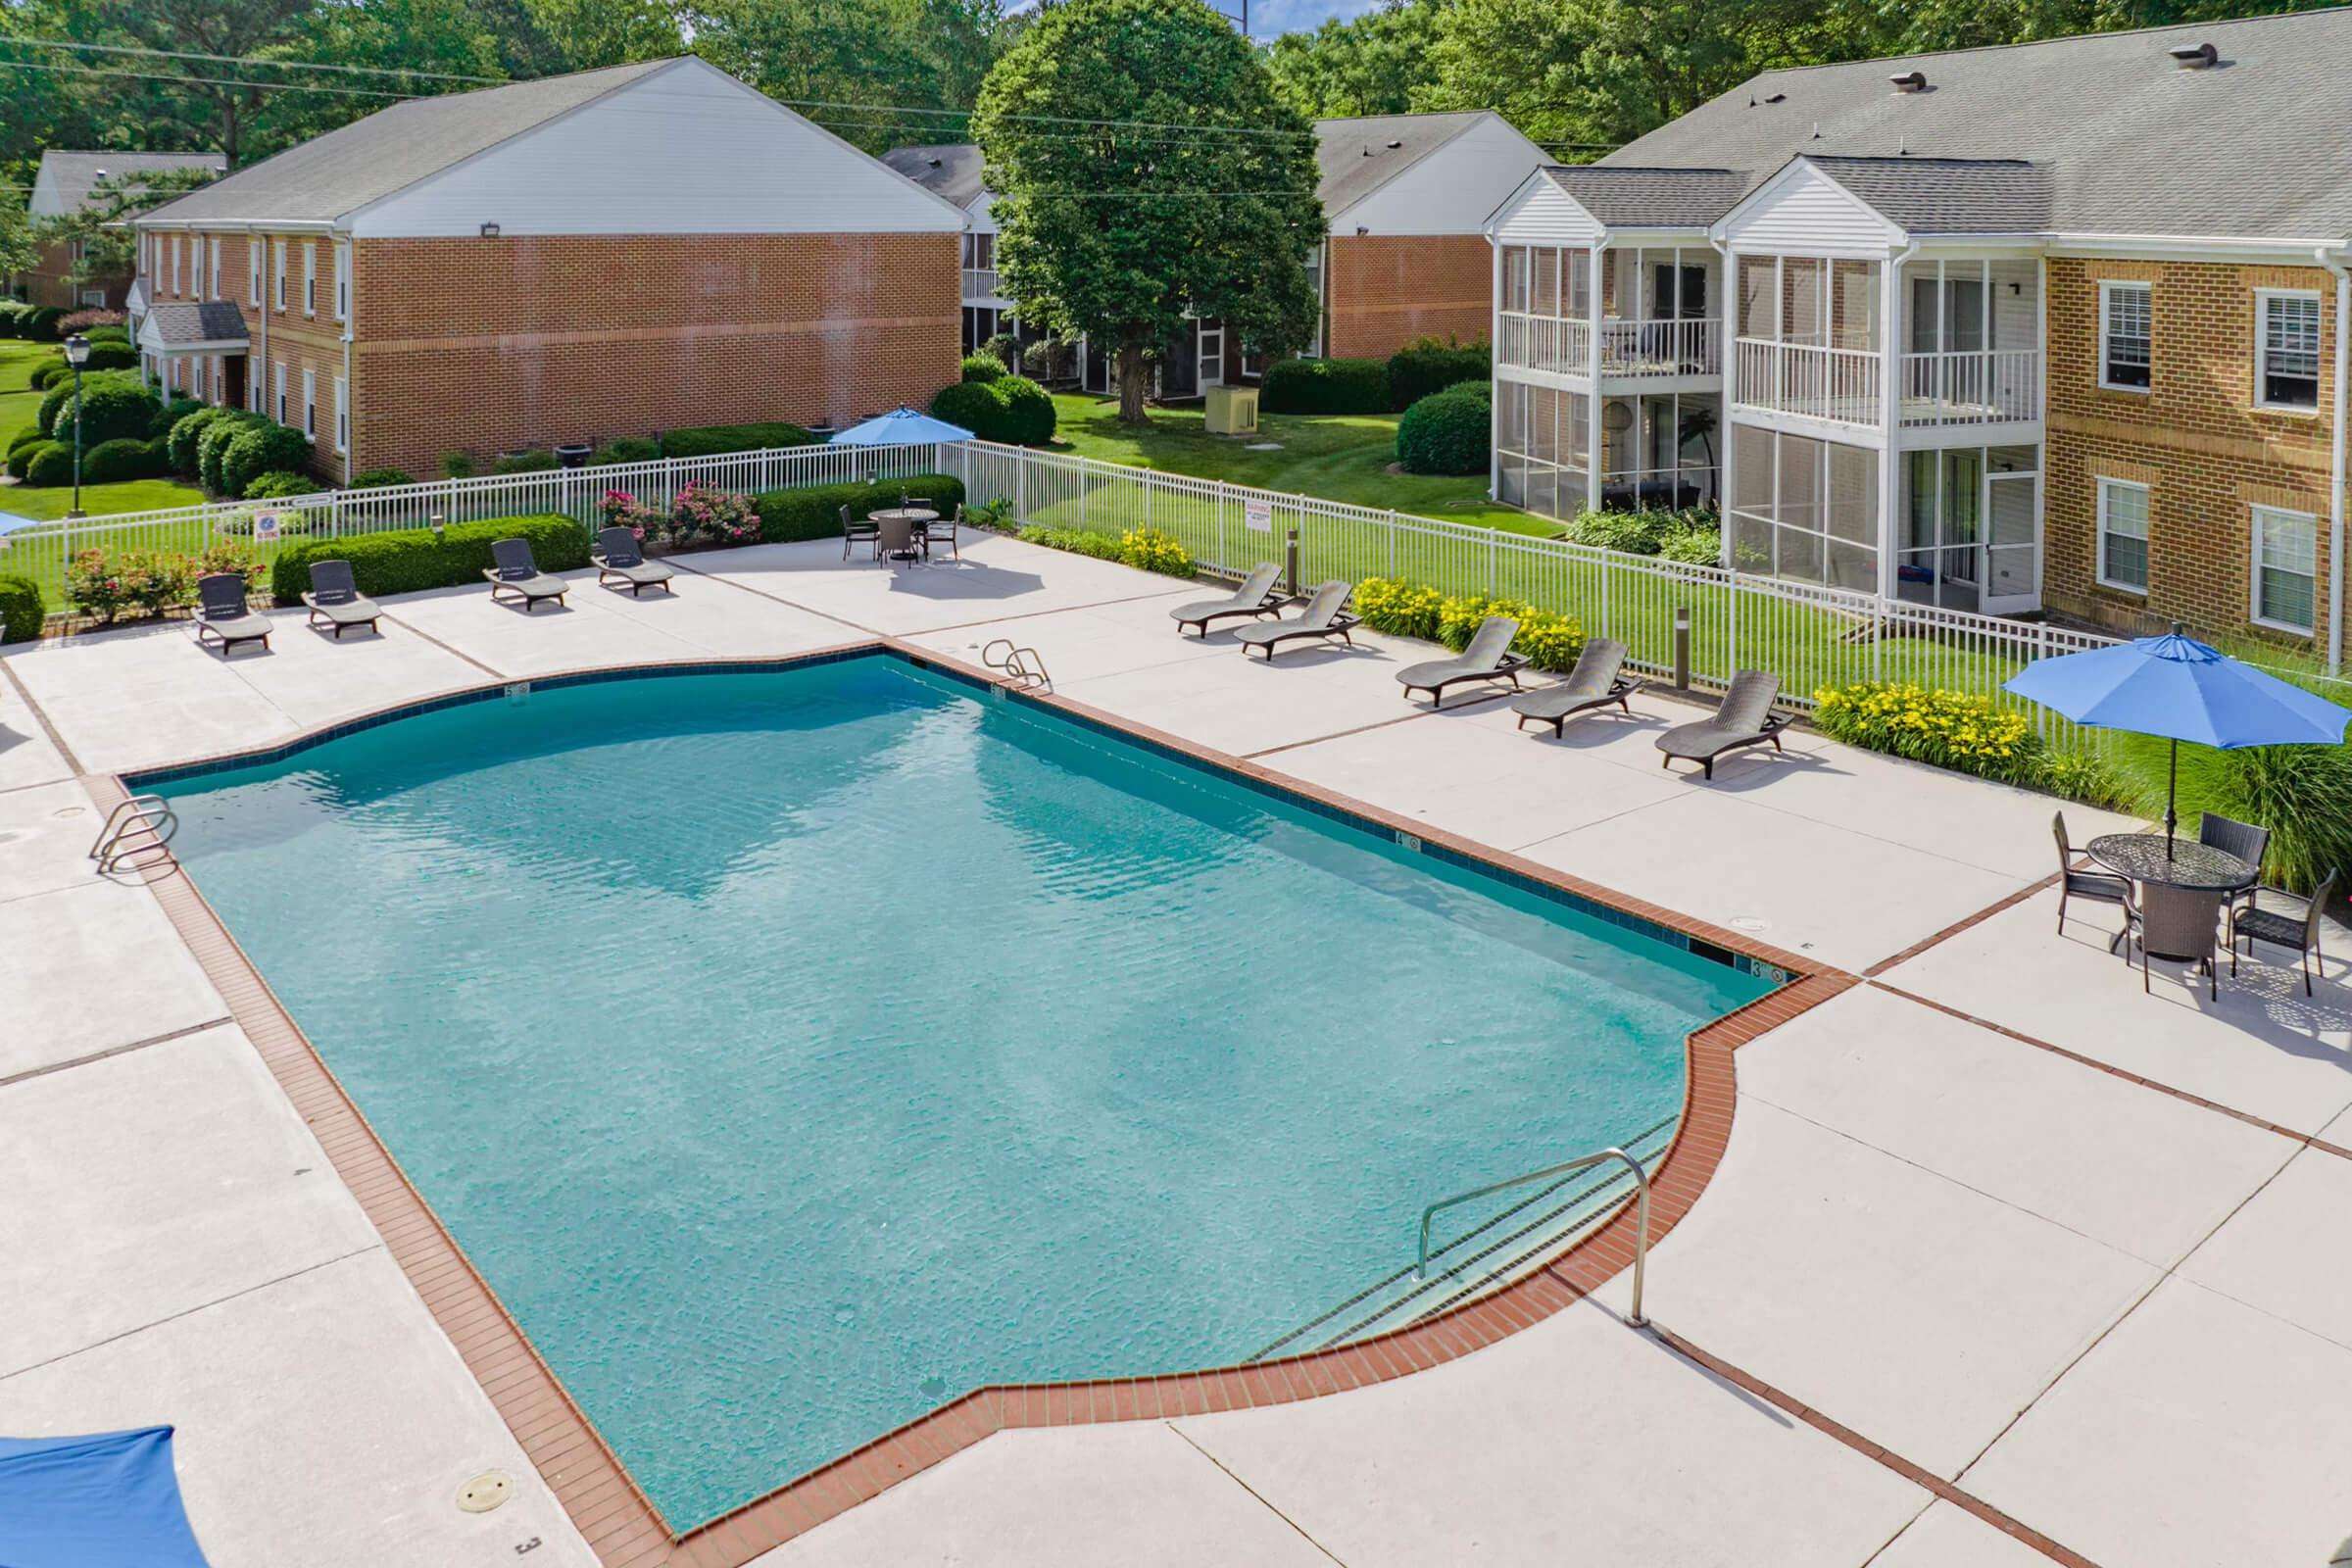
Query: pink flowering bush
(622, 510)
(136, 581)
(702, 514)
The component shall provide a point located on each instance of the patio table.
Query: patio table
(2143, 857)
(898, 526)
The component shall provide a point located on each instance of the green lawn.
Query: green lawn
(1337, 457)
(18, 403)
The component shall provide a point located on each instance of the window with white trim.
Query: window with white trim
(343, 280)
(214, 292)
(2124, 535)
(309, 277)
(2286, 569)
(2286, 349)
(219, 372)
(277, 287)
(279, 386)
(253, 272)
(342, 415)
(177, 274)
(2125, 335)
(310, 403)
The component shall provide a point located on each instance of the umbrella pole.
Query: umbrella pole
(2171, 786)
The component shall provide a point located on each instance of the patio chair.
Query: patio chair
(1596, 681)
(335, 600)
(1745, 718)
(516, 577)
(1486, 657)
(621, 554)
(222, 613)
(859, 530)
(1321, 620)
(2178, 923)
(939, 528)
(1254, 598)
(2298, 932)
(2241, 839)
(2100, 886)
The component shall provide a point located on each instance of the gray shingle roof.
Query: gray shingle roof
(184, 322)
(391, 149)
(1353, 157)
(2252, 147)
(1651, 198)
(944, 169)
(73, 175)
(1949, 195)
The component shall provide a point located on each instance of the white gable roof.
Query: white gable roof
(1802, 209)
(1448, 190)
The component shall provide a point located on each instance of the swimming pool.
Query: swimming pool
(793, 1049)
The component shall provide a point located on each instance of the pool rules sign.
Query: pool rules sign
(1258, 515)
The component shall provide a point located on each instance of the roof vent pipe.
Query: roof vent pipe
(1909, 81)
(2195, 55)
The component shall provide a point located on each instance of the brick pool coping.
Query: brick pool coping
(612, 1513)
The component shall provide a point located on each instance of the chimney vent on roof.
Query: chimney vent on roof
(1909, 81)
(2195, 55)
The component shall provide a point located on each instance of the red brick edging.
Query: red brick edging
(621, 1524)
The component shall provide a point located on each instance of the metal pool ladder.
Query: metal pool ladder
(1565, 1168)
(136, 826)
(1024, 667)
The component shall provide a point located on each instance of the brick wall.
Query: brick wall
(2196, 438)
(489, 345)
(1385, 290)
(47, 283)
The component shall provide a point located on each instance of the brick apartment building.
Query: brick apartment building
(64, 186)
(608, 254)
(2046, 327)
(1405, 197)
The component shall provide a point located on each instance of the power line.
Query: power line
(206, 82)
(248, 59)
(1053, 119)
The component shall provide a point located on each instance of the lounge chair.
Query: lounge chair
(335, 601)
(2100, 886)
(2298, 932)
(857, 531)
(620, 556)
(1596, 681)
(1256, 597)
(1321, 620)
(221, 614)
(1488, 657)
(1745, 718)
(517, 577)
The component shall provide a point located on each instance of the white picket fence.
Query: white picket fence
(1810, 636)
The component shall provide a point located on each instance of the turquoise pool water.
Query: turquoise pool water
(793, 1050)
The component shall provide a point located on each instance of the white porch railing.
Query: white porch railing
(979, 284)
(1808, 378)
(1972, 386)
(1563, 346)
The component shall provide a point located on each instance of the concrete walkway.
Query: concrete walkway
(2007, 1262)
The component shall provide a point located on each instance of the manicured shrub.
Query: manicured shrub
(380, 478)
(109, 356)
(29, 437)
(982, 368)
(1448, 433)
(714, 440)
(813, 512)
(1029, 413)
(411, 559)
(279, 484)
(541, 462)
(264, 447)
(169, 416)
(48, 373)
(459, 466)
(213, 443)
(20, 459)
(1010, 409)
(108, 585)
(41, 324)
(93, 322)
(20, 609)
(1640, 533)
(13, 315)
(1947, 729)
(180, 444)
(1400, 609)
(113, 403)
(701, 514)
(1694, 546)
(975, 406)
(1145, 549)
(1325, 386)
(1425, 367)
(1077, 541)
(113, 462)
(51, 466)
(628, 448)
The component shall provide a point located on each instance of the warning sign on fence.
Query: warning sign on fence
(264, 528)
(1259, 515)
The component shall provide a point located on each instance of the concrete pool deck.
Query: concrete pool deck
(1995, 1237)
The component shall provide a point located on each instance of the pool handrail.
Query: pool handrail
(1565, 1167)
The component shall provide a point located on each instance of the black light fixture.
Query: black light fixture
(78, 355)
(489, 231)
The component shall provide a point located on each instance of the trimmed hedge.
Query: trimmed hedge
(982, 368)
(13, 315)
(813, 512)
(113, 405)
(51, 466)
(712, 440)
(170, 415)
(1029, 414)
(380, 478)
(20, 459)
(1325, 386)
(627, 449)
(20, 609)
(1425, 367)
(540, 461)
(105, 356)
(1010, 409)
(41, 324)
(29, 437)
(180, 444)
(1449, 433)
(263, 447)
(279, 484)
(48, 373)
(113, 462)
(412, 559)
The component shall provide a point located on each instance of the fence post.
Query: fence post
(1732, 632)
(1878, 640)
(1493, 558)
(1020, 489)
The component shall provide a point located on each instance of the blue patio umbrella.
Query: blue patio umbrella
(898, 429)
(2179, 689)
(108, 1500)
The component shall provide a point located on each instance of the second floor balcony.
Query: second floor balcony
(979, 285)
(1933, 390)
(1688, 346)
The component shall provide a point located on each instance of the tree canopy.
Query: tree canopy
(1145, 169)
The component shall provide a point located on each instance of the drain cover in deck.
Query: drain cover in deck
(485, 1492)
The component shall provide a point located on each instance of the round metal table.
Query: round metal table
(898, 526)
(2196, 866)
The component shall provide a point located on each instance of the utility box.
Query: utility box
(1233, 410)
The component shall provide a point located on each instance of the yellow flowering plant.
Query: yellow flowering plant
(1950, 729)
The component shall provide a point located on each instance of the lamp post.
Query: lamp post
(78, 355)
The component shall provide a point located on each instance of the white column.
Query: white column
(1891, 412)
(1494, 382)
(1727, 293)
(1592, 391)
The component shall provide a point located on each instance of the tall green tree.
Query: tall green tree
(878, 72)
(1367, 65)
(108, 243)
(1147, 170)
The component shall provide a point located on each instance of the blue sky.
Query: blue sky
(1268, 18)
